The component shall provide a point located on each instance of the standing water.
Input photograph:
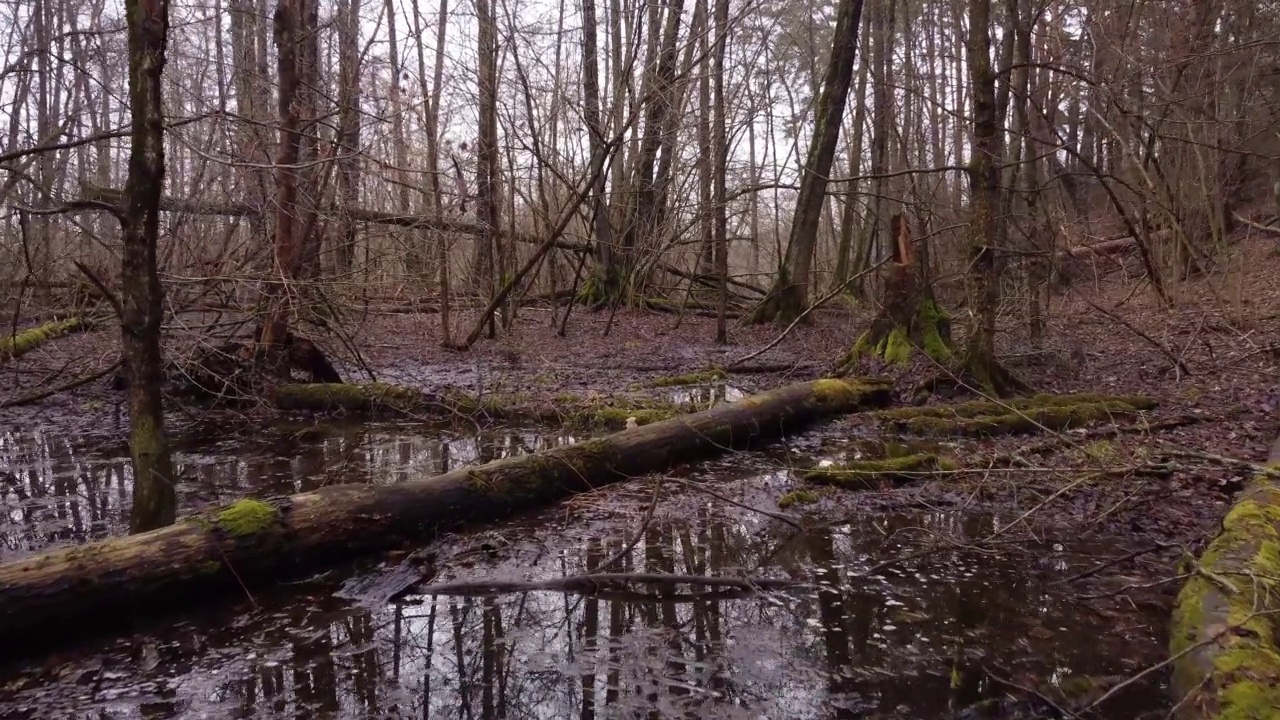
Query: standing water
(953, 630)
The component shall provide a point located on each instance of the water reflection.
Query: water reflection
(704, 395)
(57, 490)
(842, 645)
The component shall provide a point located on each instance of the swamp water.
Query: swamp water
(910, 640)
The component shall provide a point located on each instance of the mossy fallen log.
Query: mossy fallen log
(383, 400)
(253, 543)
(1022, 415)
(875, 473)
(1225, 633)
(694, 378)
(24, 341)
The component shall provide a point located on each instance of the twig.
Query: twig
(744, 506)
(1112, 562)
(644, 524)
(102, 288)
(1164, 349)
(800, 318)
(1224, 460)
(1028, 690)
(1256, 225)
(1176, 657)
(37, 397)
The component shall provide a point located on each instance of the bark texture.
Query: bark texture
(154, 502)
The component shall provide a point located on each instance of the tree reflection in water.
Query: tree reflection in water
(842, 644)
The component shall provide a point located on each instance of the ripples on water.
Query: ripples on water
(902, 642)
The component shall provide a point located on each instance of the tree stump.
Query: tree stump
(910, 319)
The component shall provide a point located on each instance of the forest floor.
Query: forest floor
(1210, 361)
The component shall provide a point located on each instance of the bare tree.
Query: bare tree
(790, 294)
(348, 140)
(487, 251)
(141, 294)
(985, 261)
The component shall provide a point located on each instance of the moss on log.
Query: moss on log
(1225, 633)
(873, 474)
(24, 341)
(1022, 415)
(384, 400)
(696, 378)
(253, 543)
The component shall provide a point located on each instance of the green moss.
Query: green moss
(896, 347)
(864, 474)
(696, 378)
(611, 417)
(1100, 450)
(248, 517)
(931, 318)
(798, 497)
(1232, 595)
(24, 341)
(1027, 415)
(209, 567)
(835, 390)
(529, 478)
(344, 396)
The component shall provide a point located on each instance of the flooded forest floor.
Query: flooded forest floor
(1025, 575)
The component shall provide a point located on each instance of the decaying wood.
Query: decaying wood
(24, 341)
(1110, 246)
(1225, 644)
(250, 544)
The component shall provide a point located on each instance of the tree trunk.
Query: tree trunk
(790, 293)
(706, 234)
(601, 228)
(642, 211)
(985, 263)
(348, 127)
(486, 256)
(251, 544)
(287, 253)
(849, 214)
(141, 295)
(720, 154)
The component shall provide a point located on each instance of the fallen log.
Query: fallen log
(251, 544)
(1225, 634)
(24, 341)
(1102, 248)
